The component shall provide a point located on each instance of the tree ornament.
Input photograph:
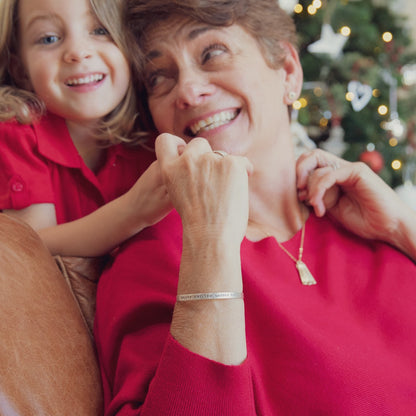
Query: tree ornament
(409, 74)
(330, 44)
(407, 191)
(396, 128)
(335, 143)
(301, 141)
(374, 159)
(361, 94)
(288, 5)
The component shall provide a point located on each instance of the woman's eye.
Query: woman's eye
(212, 51)
(154, 80)
(48, 39)
(160, 82)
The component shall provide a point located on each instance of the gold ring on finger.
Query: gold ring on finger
(220, 153)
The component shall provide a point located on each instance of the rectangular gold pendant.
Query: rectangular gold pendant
(304, 274)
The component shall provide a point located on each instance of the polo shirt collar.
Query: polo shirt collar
(55, 143)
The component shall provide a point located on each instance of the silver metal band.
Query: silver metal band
(209, 296)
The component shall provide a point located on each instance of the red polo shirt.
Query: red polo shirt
(40, 164)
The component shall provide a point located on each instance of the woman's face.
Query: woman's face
(213, 82)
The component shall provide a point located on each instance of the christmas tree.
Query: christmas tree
(359, 95)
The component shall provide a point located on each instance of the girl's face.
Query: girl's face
(213, 82)
(69, 60)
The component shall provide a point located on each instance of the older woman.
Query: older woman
(326, 322)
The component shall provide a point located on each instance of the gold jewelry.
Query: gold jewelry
(220, 153)
(305, 275)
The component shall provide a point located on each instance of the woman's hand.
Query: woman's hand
(209, 191)
(357, 197)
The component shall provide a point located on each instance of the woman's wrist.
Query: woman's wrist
(405, 236)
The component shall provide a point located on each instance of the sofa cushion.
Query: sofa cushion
(82, 274)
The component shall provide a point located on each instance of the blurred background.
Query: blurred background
(359, 95)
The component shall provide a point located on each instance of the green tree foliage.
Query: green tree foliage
(369, 60)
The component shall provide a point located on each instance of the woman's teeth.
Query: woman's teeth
(85, 80)
(212, 122)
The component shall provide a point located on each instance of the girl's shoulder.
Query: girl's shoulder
(43, 132)
(16, 135)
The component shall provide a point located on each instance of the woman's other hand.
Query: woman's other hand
(357, 197)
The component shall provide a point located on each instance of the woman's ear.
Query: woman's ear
(294, 73)
(19, 74)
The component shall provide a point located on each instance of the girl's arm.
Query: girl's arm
(99, 232)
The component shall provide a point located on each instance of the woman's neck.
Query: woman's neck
(274, 204)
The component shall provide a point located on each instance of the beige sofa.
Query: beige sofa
(48, 365)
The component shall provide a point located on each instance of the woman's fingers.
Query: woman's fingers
(310, 161)
(322, 192)
(168, 147)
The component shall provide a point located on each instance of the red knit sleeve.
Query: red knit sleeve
(145, 371)
(186, 384)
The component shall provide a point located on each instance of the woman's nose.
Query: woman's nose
(193, 89)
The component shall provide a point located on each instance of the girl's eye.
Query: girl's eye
(212, 51)
(48, 39)
(101, 31)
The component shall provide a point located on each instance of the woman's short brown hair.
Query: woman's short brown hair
(265, 20)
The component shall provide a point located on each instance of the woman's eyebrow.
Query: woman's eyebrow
(193, 34)
(198, 31)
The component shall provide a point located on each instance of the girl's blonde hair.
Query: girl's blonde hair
(119, 125)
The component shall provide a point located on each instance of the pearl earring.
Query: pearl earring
(292, 96)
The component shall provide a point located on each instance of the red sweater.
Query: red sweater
(346, 346)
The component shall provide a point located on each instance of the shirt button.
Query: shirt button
(17, 187)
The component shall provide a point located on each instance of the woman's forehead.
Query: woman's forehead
(173, 27)
(186, 30)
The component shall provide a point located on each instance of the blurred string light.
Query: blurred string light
(382, 110)
(312, 8)
(387, 37)
(396, 164)
(393, 142)
(298, 9)
(345, 31)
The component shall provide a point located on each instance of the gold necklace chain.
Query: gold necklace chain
(305, 275)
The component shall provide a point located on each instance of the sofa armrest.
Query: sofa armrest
(47, 360)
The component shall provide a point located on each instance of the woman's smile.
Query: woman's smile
(212, 122)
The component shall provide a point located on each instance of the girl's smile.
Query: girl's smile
(69, 59)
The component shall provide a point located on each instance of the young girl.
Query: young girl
(68, 166)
